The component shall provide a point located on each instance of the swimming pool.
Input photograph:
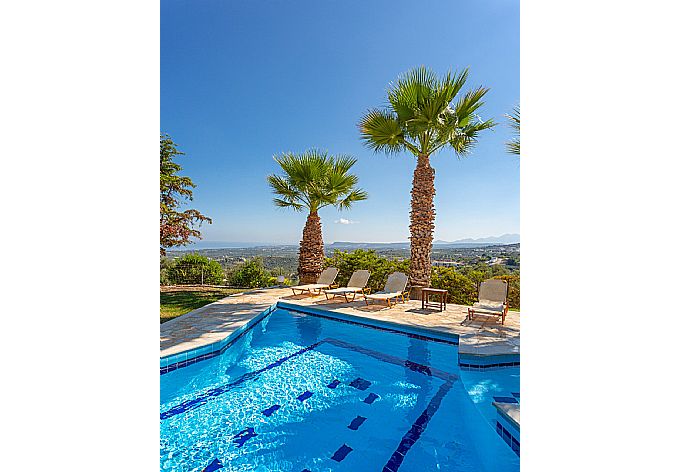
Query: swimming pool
(299, 392)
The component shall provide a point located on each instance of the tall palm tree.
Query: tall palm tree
(514, 121)
(311, 181)
(422, 118)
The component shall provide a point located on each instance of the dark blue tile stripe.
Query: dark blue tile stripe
(214, 392)
(341, 453)
(417, 429)
(271, 410)
(244, 436)
(505, 400)
(408, 440)
(413, 366)
(393, 360)
(305, 395)
(467, 366)
(360, 384)
(214, 465)
(370, 399)
(203, 357)
(508, 438)
(356, 423)
(333, 384)
(378, 328)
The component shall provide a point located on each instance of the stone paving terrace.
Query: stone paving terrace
(481, 337)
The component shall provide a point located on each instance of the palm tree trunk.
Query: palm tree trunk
(311, 250)
(422, 215)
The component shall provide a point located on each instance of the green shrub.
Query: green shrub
(462, 284)
(193, 269)
(513, 289)
(461, 288)
(250, 274)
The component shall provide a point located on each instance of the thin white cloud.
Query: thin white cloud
(345, 221)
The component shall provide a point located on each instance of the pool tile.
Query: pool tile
(515, 445)
(371, 398)
(244, 436)
(214, 465)
(271, 410)
(356, 423)
(515, 394)
(305, 395)
(422, 369)
(505, 400)
(333, 384)
(341, 453)
(360, 383)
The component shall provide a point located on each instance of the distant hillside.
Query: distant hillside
(344, 245)
(503, 239)
(460, 243)
(349, 246)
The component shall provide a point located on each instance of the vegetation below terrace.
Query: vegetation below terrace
(458, 270)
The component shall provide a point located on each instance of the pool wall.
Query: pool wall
(465, 361)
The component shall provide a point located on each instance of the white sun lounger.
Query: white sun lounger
(324, 281)
(392, 292)
(356, 285)
(493, 300)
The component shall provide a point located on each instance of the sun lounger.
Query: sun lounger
(324, 281)
(356, 285)
(392, 292)
(493, 300)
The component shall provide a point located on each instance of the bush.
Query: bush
(462, 285)
(165, 266)
(461, 288)
(379, 266)
(250, 274)
(513, 289)
(193, 269)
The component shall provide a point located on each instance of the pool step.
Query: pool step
(508, 422)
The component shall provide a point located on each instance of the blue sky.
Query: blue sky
(242, 81)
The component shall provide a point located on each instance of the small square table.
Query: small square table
(442, 297)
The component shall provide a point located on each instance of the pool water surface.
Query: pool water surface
(298, 392)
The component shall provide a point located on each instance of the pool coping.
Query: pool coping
(175, 361)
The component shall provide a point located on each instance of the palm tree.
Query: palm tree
(514, 122)
(421, 117)
(311, 181)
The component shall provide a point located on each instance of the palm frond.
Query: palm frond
(381, 131)
(356, 195)
(513, 146)
(288, 204)
(422, 116)
(313, 180)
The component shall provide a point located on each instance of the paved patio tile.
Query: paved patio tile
(482, 336)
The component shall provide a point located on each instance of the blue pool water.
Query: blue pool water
(301, 393)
